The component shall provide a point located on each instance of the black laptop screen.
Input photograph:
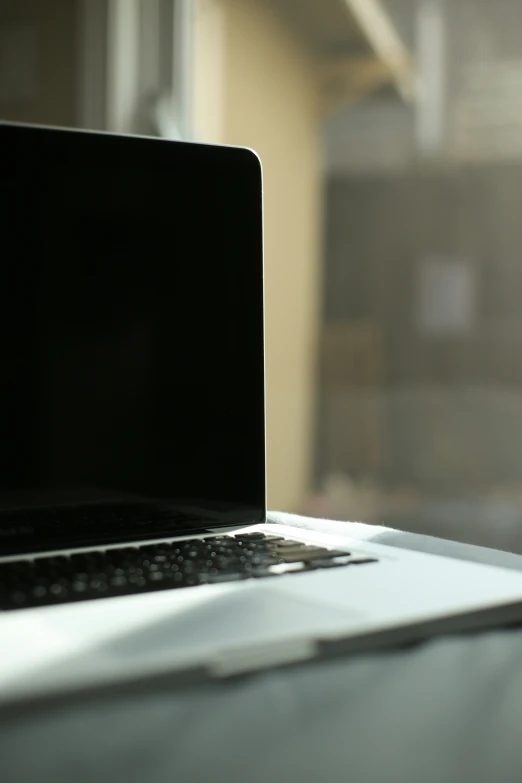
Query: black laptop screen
(131, 333)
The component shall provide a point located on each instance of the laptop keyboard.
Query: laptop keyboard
(114, 572)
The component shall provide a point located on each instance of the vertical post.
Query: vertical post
(123, 82)
(183, 34)
(207, 108)
(431, 64)
(91, 85)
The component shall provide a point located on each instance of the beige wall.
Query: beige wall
(267, 83)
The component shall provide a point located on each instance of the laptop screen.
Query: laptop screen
(131, 333)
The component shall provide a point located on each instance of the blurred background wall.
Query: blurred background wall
(390, 135)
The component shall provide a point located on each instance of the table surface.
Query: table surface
(449, 710)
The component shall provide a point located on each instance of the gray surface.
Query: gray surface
(450, 710)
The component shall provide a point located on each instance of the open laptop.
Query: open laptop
(133, 532)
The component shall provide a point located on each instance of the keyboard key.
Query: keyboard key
(137, 581)
(249, 536)
(58, 591)
(18, 597)
(119, 581)
(224, 577)
(335, 562)
(261, 573)
(98, 585)
(300, 554)
(331, 553)
(80, 586)
(82, 576)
